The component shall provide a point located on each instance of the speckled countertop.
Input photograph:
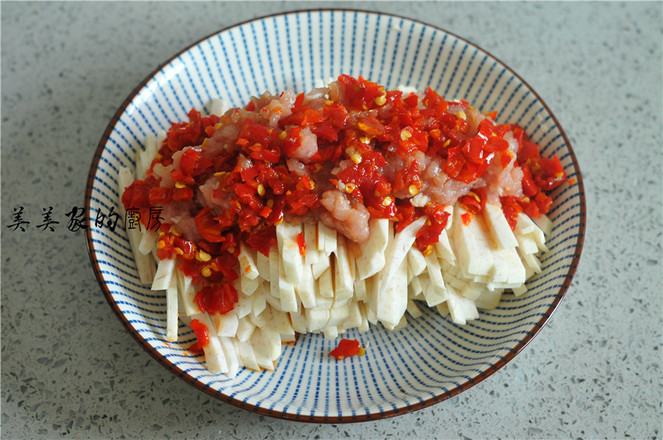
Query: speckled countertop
(69, 368)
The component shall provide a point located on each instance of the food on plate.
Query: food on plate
(330, 210)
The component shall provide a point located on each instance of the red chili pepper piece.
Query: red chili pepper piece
(511, 208)
(474, 201)
(210, 229)
(193, 163)
(261, 240)
(529, 187)
(405, 214)
(159, 196)
(347, 348)
(467, 218)
(217, 298)
(181, 194)
(292, 141)
(202, 336)
(301, 243)
(429, 234)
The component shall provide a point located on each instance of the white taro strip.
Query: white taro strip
(259, 305)
(140, 164)
(226, 324)
(319, 267)
(306, 289)
(311, 240)
(360, 290)
(443, 247)
(432, 294)
(245, 329)
(343, 273)
(187, 294)
(247, 356)
(520, 290)
(354, 316)
(527, 245)
(326, 238)
(363, 310)
(395, 255)
(291, 258)
(470, 245)
(500, 272)
(298, 321)
(413, 309)
(274, 262)
(273, 301)
(517, 275)
(286, 289)
(262, 262)
(232, 357)
(316, 319)
(324, 302)
(216, 106)
(435, 275)
(171, 310)
(526, 226)
(164, 274)
(264, 343)
(248, 285)
(488, 299)
(338, 313)
(544, 223)
(330, 332)
(148, 241)
(326, 285)
(416, 262)
(260, 319)
(392, 298)
(214, 355)
(461, 308)
(414, 288)
(471, 291)
(281, 323)
(499, 227)
(151, 146)
(372, 259)
(372, 297)
(244, 305)
(247, 262)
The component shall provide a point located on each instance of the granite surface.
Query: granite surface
(69, 368)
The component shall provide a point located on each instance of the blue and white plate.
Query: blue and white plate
(431, 359)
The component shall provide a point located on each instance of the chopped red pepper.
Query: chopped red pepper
(202, 336)
(193, 163)
(301, 243)
(217, 298)
(347, 348)
(209, 227)
(511, 208)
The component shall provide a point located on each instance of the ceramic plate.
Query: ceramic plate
(431, 359)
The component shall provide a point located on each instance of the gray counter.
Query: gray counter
(69, 368)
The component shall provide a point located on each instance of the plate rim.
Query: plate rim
(474, 380)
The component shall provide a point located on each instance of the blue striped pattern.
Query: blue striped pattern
(431, 358)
